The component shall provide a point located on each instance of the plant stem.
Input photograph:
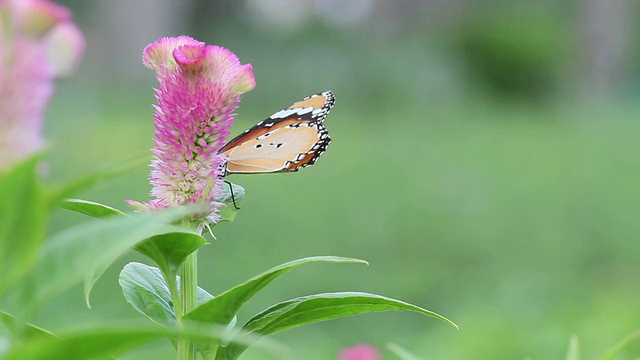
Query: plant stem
(188, 295)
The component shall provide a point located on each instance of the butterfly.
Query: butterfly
(286, 141)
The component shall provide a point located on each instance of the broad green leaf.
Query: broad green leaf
(84, 251)
(146, 289)
(157, 250)
(573, 352)
(23, 221)
(222, 308)
(401, 353)
(615, 350)
(87, 345)
(20, 329)
(107, 341)
(231, 197)
(90, 208)
(170, 250)
(95, 210)
(315, 308)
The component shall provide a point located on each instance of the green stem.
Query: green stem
(175, 296)
(188, 295)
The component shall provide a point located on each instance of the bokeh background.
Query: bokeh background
(485, 162)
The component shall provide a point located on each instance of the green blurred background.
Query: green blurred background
(485, 161)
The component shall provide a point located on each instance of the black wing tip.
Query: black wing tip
(329, 101)
(328, 95)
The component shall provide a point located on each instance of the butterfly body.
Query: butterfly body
(288, 140)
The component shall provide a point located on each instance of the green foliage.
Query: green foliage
(146, 289)
(25, 330)
(320, 307)
(315, 308)
(23, 220)
(98, 343)
(106, 341)
(170, 250)
(223, 308)
(86, 250)
(90, 208)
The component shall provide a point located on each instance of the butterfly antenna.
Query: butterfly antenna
(233, 198)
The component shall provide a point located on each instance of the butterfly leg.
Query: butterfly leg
(233, 198)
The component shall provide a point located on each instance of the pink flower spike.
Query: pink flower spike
(360, 352)
(38, 42)
(199, 88)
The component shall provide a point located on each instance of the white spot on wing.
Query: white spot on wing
(288, 112)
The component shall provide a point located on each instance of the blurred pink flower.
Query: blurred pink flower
(38, 42)
(360, 352)
(199, 88)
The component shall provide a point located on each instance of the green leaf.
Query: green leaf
(90, 208)
(171, 249)
(616, 349)
(23, 221)
(21, 329)
(401, 353)
(146, 289)
(315, 308)
(86, 250)
(222, 308)
(166, 249)
(110, 340)
(230, 193)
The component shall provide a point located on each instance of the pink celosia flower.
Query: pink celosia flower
(360, 352)
(38, 42)
(199, 88)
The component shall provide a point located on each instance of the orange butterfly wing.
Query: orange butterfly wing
(288, 140)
